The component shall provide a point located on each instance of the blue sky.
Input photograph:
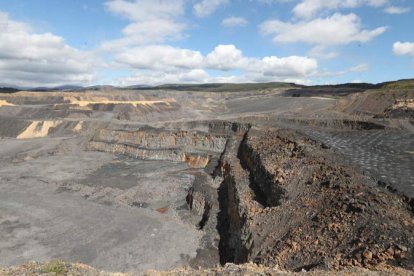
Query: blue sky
(127, 42)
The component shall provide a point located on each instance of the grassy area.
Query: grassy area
(402, 89)
(56, 267)
(393, 94)
(399, 85)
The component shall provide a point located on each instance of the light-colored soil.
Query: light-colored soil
(38, 129)
(5, 103)
(106, 101)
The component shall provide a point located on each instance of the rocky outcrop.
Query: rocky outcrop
(152, 138)
(401, 109)
(195, 160)
(234, 195)
(194, 148)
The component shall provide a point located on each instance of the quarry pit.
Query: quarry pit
(127, 181)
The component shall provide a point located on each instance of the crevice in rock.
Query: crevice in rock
(206, 215)
(235, 242)
(266, 193)
(226, 256)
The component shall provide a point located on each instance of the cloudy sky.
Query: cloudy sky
(131, 42)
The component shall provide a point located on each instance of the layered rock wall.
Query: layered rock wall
(194, 148)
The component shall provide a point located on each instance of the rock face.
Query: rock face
(194, 148)
(401, 109)
(173, 154)
(292, 205)
(158, 139)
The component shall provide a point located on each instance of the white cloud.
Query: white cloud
(229, 57)
(158, 64)
(269, 2)
(396, 10)
(207, 7)
(337, 29)
(234, 21)
(152, 21)
(292, 66)
(199, 76)
(357, 81)
(142, 10)
(158, 78)
(359, 68)
(311, 8)
(322, 52)
(36, 59)
(225, 57)
(403, 48)
(222, 58)
(160, 57)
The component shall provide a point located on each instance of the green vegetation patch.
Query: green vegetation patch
(399, 85)
(56, 266)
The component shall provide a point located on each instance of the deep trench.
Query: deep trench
(265, 193)
(230, 252)
(259, 194)
(223, 225)
(236, 242)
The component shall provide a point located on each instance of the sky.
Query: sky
(151, 42)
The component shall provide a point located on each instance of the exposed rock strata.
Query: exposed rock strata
(174, 154)
(194, 148)
(155, 139)
(401, 109)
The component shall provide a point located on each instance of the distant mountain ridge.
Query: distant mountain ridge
(216, 87)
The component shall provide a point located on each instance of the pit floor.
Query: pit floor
(41, 221)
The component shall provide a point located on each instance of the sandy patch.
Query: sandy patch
(38, 129)
(323, 98)
(78, 127)
(409, 104)
(5, 103)
(105, 101)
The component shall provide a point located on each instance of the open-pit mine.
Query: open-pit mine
(208, 180)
